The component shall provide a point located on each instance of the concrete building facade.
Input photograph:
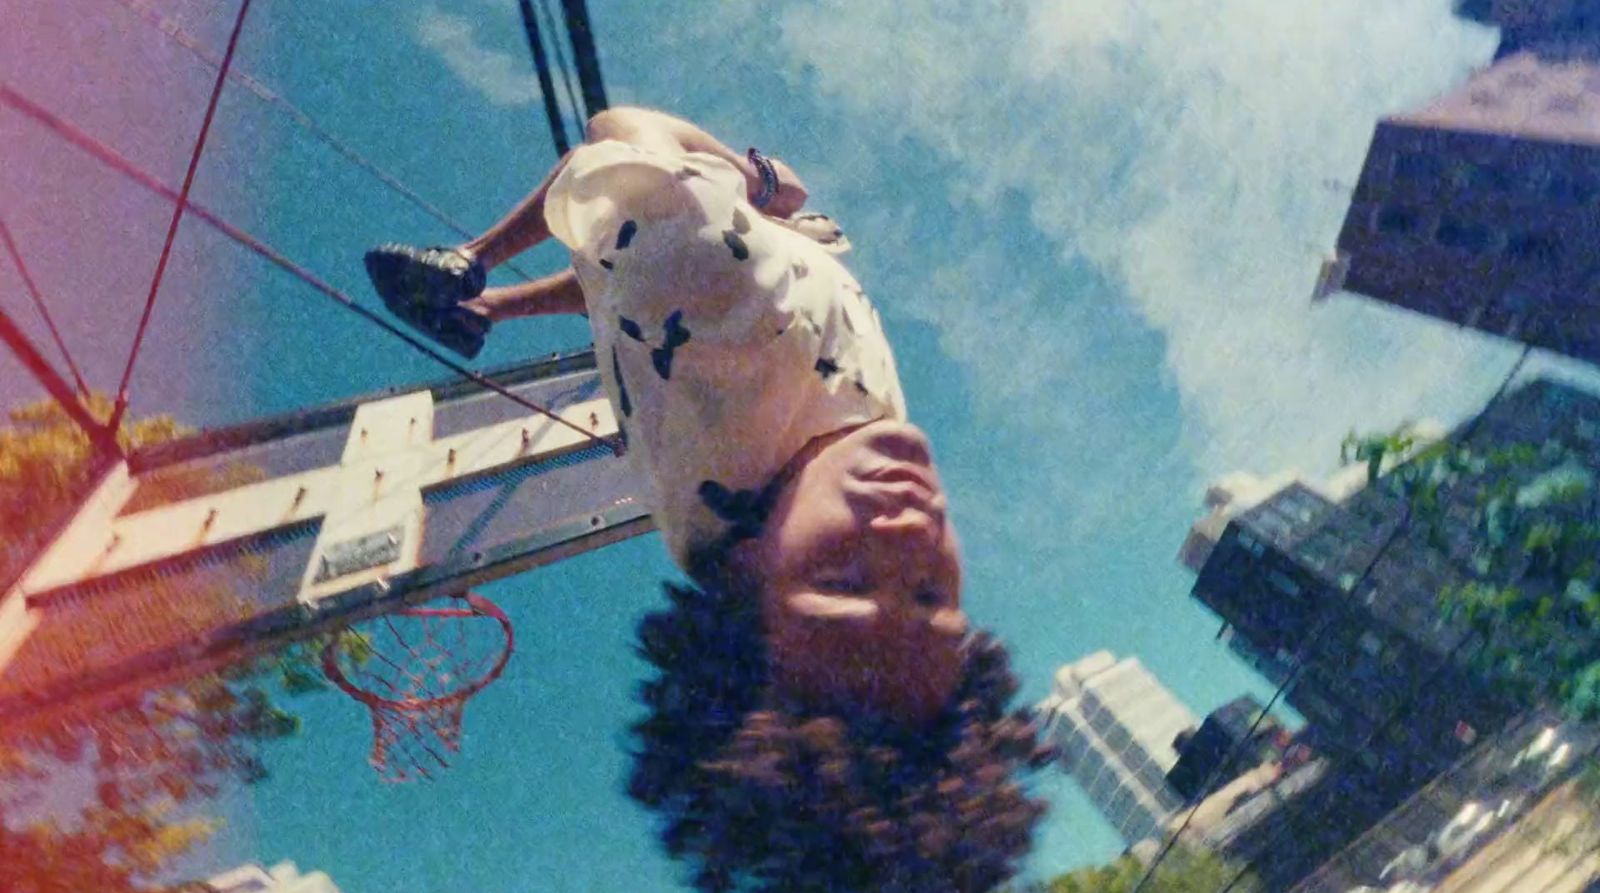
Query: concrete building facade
(1479, 207)
(1385, 680)
(1115, 725)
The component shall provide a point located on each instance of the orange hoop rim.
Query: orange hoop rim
(477, 606)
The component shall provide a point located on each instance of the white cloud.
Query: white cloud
(1180, 149)
(1181, 152)
(503, 78)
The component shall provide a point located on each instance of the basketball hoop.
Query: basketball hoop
(415, 670)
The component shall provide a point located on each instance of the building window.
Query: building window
(1151, 777)
(1122, 802)
(1463, 235)
(1317, 709)
(1281, 582)
(1488, 178)
(1393, 220)
(1298, 503)
(1416, 167)
(1272, 524)
(1537, 248)
(1315, 555)
(1570, 188)
(1371, 643)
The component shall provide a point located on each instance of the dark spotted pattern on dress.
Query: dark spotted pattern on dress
(675, 336)
(607, 264)
(625, 235)
(745, 511)
(860, 383)
(800, 269)
(826, 367)
(622, 386)
(740, 250)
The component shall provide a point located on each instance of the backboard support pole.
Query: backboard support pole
(101, 436)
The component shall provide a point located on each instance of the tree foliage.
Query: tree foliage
(150, 762)
(1521, 525)
(1184, 870)
(45, 464)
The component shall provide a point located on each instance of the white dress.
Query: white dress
(726, 340)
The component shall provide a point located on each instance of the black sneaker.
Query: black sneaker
(461, 330)
(456, 328)
(414, 280)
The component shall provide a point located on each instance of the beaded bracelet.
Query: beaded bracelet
(769, 178)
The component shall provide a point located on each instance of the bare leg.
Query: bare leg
(558, 293)
(525, 226)
(519, 230)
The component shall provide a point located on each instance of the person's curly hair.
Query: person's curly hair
(759, 794)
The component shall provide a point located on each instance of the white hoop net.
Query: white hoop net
(411, 743)
(414, 670)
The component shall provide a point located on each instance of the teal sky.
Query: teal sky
(1091, 228)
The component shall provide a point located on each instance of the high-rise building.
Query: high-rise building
(1234, 737)
(1501, 820)
(1547, 25)
(1385, 680)
(281, 878)
(1479, 208)
(1115, 726)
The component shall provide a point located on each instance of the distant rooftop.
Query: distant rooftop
(1555, 28)
(1528, 95)
(284, 877)
(1550, 14)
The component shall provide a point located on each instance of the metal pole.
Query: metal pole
(100, 435)
(552, 111)
(583, 53)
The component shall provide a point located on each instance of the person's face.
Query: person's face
(860, 576)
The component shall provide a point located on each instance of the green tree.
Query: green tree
(1184, 870)
(152, 761)
(1521, 526)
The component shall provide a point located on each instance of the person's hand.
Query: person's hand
(791, 195)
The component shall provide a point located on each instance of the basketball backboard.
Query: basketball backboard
(211, 548)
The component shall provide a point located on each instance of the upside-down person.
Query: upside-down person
(822, 719)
